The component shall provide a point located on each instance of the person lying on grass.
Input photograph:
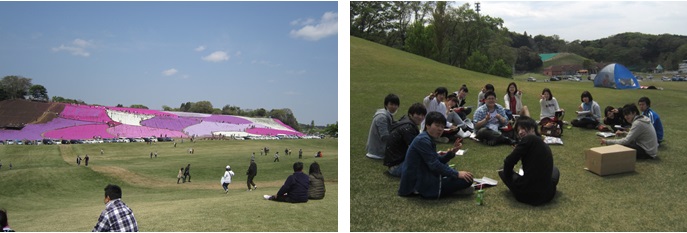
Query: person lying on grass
(425, 172)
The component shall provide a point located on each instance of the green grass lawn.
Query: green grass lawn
(653, 198)
(46, 191)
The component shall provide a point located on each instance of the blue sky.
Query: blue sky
(247, 54)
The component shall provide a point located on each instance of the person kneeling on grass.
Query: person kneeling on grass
(537, 184)
(295, 189)
(425, 172)
(642, 135)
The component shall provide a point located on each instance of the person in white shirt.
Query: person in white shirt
(226, 179)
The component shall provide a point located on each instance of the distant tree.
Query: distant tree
(261, 112)
(186, 107)
(231, 110)
(60, 99)
(15, 87)
(201, 107)
(120, 105)
(286, 116)
(332, 130)
(38, 92)
(312, 124)
(478, 62)
(500, 68)
(167, 108)
(141, 106)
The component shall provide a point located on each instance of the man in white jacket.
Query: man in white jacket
(226, 179)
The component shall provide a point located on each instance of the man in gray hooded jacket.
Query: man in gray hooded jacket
(642, 135)
(380, 127)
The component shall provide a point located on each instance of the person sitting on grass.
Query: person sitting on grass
(489, 118)
(402, 134)
(641, 137)
(513, 101)
(462, 110)
(379, 128)
(592, 117)
(425, 172)
(480, 95)
(295, 189)
(3, 221)
(644, 104)
(537, 185)
(316, 189)
(614, 117)
(549, 106)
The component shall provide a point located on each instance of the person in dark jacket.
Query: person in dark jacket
(402, 134)
(614, 116)
(187, 173)
(537, 184)
(251, 173)
(425, 172)
(316, 189)
(295, 189)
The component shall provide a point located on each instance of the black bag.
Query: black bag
(552, 128)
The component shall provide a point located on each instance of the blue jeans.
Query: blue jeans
(396, 170)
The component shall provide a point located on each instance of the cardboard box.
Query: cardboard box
(607, 160)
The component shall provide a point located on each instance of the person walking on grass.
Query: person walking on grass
(86, 160)
(117, 216)
(180, 175)
(251, 173)
(276, 157)
(300, 153)
(226, 179)
(78, 160)
(187, 173)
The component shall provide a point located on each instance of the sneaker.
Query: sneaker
(226, 191)
(374, 156)
(466, 191)
(267, 197)
(255, 187)
(249, 190)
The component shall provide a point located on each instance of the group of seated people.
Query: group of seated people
(408, 146)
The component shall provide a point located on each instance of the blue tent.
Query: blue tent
(616, 76)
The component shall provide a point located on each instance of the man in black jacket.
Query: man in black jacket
(537, 184)
(402, 134)
(251, 173)
(187, 173)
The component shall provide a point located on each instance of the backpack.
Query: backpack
(552, 128)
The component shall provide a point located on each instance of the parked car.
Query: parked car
(531, 79)
(48, 141)
(555, 78)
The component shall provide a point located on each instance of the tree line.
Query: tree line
(461, 37)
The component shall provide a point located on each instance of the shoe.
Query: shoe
(249, 190)
(467, 191)
(226, 191)
(374, 156)
(267, 197)
(255, 187)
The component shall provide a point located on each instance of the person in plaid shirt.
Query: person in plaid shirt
(116, 216)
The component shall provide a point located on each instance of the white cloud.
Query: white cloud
(313, 31)
(170, 72)
(217, 56)
(78, 48)
(238, 53)
(200, 48)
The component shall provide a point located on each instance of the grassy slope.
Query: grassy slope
(651, 199)
(564, 59)
(47, 186)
